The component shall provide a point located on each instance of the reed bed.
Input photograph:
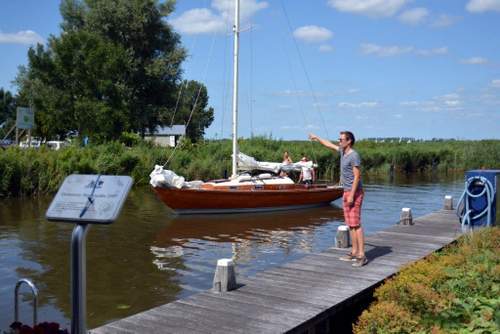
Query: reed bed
(40, 171)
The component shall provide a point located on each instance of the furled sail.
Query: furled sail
(248, 163)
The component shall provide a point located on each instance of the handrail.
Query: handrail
(34, 292)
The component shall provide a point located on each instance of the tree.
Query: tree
(194, 97)
(115, 67)
(7, 110)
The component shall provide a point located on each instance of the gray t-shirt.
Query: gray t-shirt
(347, 162)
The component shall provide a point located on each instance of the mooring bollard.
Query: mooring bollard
(448, 202)
(342, 237)
(406, 217)
(225, 276)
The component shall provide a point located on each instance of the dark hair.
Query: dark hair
(350, 136)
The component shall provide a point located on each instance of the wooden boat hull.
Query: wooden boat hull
(244, 199)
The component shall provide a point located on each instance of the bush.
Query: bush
(130, 139)
(454, 291)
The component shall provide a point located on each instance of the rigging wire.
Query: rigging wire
(250, 96)
(225, 82)
(209, 58)
(299, 101)
(316, 104)
(183, 87)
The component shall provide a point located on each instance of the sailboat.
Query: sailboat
(241, 192)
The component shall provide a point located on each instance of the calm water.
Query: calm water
(151, 257)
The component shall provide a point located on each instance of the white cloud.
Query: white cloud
(371, 104)
(291, 127)
(410, 103)
(445, 20)
(205, 20)
(446, 102)
(289, 92)
(312, 34)
(474, 61)
(384, 51)
(372, 8)
(198, 21)
(449, 96)
(495, 83)
(414, 16)
(320, 105)
(299, 127)
(395, 50)
(248, 8)
(325, 48)
(479, 6)
(452, 103)
(26, 37)
(432, 52)
(430, 106)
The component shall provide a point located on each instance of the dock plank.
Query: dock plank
(210, 320)
(281, 304)
(296, 295)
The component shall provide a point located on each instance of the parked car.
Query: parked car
(56, 144)
(35, 143)
(6, 142)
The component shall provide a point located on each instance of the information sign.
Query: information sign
(94, 199)
(25, 118)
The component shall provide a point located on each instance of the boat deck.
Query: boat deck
(303, 295)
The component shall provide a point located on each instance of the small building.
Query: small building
(166, 135)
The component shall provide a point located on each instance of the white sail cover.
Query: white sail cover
(248, 163)
(160, 177)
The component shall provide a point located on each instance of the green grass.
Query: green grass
(31, 172)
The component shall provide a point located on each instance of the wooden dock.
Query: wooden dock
(300, 296)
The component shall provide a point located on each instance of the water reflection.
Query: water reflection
(229, 228)
(242, 237)
(149, 257)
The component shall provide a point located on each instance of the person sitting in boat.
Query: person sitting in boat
(286, 161)
(307, 174)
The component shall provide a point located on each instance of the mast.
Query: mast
(236, 30)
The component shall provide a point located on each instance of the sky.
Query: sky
(380, 68)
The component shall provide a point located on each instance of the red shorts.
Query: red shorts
(352, 213)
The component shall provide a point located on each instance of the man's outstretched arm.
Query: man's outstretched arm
(324, 142)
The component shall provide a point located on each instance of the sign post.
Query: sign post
(84, 200)
(25, 119)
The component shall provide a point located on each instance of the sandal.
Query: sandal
(348, 257)
(360, 261)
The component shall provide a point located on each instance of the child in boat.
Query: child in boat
(286, 161)
(307, 174)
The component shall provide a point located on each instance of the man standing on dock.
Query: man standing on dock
(350, 178)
